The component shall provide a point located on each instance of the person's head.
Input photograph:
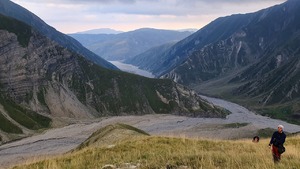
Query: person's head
(255, 139)
(280, 128)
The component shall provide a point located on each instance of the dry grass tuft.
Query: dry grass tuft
(160, 152)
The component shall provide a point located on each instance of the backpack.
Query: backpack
(281, 149)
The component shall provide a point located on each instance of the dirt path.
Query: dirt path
(61, 140)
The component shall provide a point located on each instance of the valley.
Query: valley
(41, 80)
(132, 69)
(240, 124)
(148, 97)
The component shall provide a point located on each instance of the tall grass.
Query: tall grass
(159, 152)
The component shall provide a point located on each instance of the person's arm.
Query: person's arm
(272, 139)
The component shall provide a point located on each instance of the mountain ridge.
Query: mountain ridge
(100, 31)
(41, 81)
(128, 44)
(13, 10)
(261, 57)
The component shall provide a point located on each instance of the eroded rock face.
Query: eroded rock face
(42, 78)
(9, 8)
(260, 54)
(216, 59)
(26, 74)
(49, 79)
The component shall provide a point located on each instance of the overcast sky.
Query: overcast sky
(71, 16)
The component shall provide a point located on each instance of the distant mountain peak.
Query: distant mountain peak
(100, 31)
(115, 47)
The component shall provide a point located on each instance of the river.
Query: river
(131, 69)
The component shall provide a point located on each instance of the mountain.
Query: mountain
(257, 54)
(219, 29)
(150, 59)
(13, 10)
(100, 31)
(42, 82)
(126, 45)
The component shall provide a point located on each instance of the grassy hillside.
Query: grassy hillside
(112, 134)
(220, 88)
(160, 152)
(8, 126)
(25, 117)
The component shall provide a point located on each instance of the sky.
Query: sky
(70, 16)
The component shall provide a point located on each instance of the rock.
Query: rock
(109, 166)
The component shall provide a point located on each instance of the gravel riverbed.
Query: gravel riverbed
(61, 140)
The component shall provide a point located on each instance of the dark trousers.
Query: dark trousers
(276, 154)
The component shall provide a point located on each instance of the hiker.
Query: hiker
(255, 139)
(277, 141)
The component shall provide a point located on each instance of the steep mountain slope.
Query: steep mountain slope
(219, 29)
(126, 45)
(265, 31)
(13, 10)
(262, 58)
(38, 76)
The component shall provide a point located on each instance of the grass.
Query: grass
(266, 133)
(289, 112)
(220, 88)
(111, 135)
(113, 94)
(8, 126)
(26, 118)
(41, 96)
(283, 112)
(235, 125)
(158, 152)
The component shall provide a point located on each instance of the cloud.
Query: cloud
(156, 7)
(75, 15)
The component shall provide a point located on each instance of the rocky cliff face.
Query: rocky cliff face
(13, 10)
(38, 76)
(218, 30)
(265, 51)
(216, 59)
(261, 57)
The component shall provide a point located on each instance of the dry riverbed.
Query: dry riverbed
(61, 140)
